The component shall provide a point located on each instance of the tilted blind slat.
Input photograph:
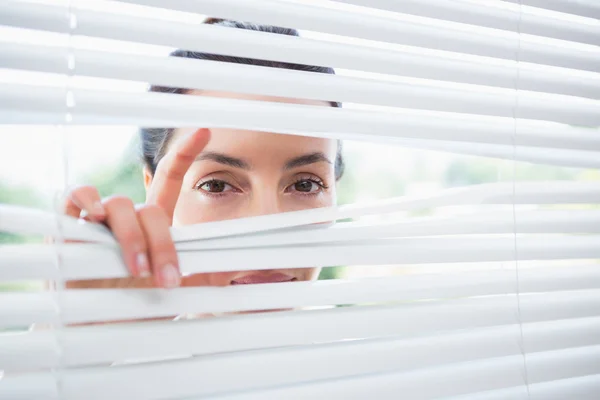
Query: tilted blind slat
(107, 343)
(212, 75)
(143, 380)
(486, 14)
(584, 8)
(78, 306)
(156, 109)
(341, 22)
(38, 261)
(458, 379)
(202, 74)
(584, 388)
(256, 44)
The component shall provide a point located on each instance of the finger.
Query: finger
(86, 199)
(166, 183)
(163, 256)
(122, 220)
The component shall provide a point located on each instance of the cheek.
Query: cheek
(191, 209)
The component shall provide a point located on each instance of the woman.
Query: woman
(199, 175)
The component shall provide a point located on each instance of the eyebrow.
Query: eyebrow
(234, 162)
(306, 159)
(223, 159)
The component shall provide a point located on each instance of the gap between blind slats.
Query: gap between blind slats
(260, 45)
(156, 340)
(80, 306)
(486, 15)
(580, 388)
(173, 110)
(92, 261)
(180, 379)
(386, 28)
(583, 8)
(240, 78)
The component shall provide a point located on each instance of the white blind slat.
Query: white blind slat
(212, 75)
(108, 383)
(168, 72)
(259, 45)
(389, 29)
(460, 378)
(488, 15)
(584, 8)
(584, 388)
(38, 261)
(132, 341)
(30, 221)
(39, 385)
(498, 222)
(78, 306)
(171, 110)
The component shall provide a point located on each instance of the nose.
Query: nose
(264, 203)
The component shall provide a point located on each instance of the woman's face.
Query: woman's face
(248, 173)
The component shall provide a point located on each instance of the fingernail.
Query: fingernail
(170, 276)
(98, 209)
(143, 267)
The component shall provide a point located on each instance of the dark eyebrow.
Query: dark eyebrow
(306, 159)
(223, 159)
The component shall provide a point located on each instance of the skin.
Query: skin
(210, 175)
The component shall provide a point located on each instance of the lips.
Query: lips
(262, 278)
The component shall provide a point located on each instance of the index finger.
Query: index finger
(168, 178)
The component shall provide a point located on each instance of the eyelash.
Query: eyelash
(199, 185)
(312, 179)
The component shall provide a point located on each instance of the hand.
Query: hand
(143, 232)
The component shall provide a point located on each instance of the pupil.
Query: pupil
(303, 186)
(215, 186)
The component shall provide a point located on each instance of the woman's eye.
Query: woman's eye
(215, 186)
(306, 186)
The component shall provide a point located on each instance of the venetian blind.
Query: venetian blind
(503, 301)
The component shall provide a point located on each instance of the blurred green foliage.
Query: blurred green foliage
(124, 178)
(18, 195)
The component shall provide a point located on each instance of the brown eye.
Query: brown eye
(306, 186)
(214, 186)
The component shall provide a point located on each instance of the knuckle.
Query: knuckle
(149, 210)
(118, 202)
(163, 245)
(82, 190)
(152, 212)
(169, 172)
(184, 157)
(130, 236)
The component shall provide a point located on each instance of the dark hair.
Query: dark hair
(155, 140)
